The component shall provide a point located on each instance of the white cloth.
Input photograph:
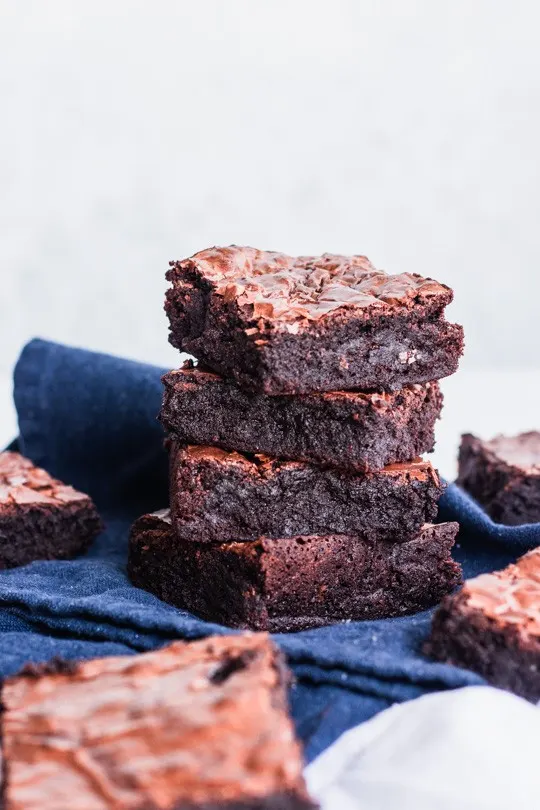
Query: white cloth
(476, 748)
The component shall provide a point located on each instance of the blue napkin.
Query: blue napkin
(90, 419)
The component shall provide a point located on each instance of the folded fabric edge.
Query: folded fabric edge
(30, 370)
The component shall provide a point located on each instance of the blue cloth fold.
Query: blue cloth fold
(90, 419)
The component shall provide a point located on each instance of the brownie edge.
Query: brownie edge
(344, 429)
(503, 475)
(284, 585)
(492, 626)
(289, 325)
(203, 724)
(41, 518)
(217, 496)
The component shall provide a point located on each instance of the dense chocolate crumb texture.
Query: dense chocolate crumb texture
(290, 584)
(22, 483)
(503, 474)
(522, 452)
(41, 518)
(198, 725)
(348, 429)
(216, 495)
(492, 626)
(283, 324)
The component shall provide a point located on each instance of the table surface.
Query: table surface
(474, 401)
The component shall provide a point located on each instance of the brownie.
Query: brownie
(294, 583)
(503, 475)
(216, 496)
(284, 325)
(492, 626)
(349, 429)
(41, 518)
(193, 725)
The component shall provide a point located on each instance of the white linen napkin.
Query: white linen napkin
(476, 748)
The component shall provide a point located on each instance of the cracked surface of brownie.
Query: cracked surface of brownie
(289, 325)
(41, 518)
(492, 626)
(193, 725)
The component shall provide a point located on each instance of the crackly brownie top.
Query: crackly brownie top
(510, 596)
(161, 516)
(152, 520)
(267, 466)
(195, 723)
(285, 288)
(522, 451)
(22, 483)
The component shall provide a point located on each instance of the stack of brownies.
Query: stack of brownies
(297, 495)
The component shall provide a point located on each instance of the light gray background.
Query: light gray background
(135, 132)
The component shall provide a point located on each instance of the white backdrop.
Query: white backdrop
(135, 132)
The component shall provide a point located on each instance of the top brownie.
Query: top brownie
(503, 474)
(282, 325)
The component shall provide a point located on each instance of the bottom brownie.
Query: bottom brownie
(492, 626)
(193, 726)
(296, 583)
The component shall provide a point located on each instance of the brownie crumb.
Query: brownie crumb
(492, 626)
(345, 429)
(503, 475)
(279, 324)
(293, 583)
(41, 518)
(200, 725)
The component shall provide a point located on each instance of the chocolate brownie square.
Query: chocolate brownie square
(349, 429)
(503, 475)
(284, 325)
(41, 518)
(200, 725)
(217, 496)
(492, 626)
(295, 583)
